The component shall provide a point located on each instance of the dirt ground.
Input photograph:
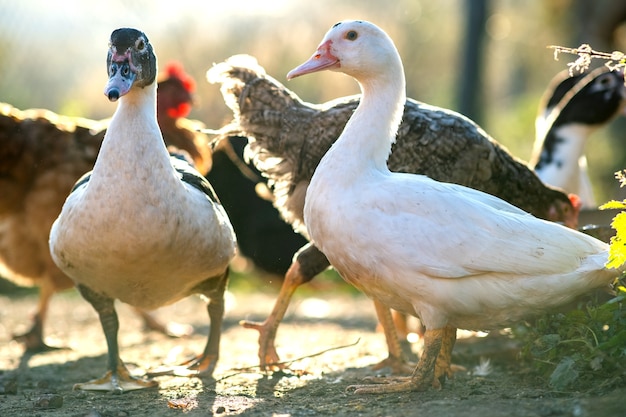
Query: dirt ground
(41, 385)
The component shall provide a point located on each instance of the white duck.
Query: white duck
(142, 227)
(453, 256)
(577, 106)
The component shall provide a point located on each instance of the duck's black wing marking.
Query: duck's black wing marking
(192, 177)
(81, 181)
(187, 174)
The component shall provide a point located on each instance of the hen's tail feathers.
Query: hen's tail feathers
(255, 98)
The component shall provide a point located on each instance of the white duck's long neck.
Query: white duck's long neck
(373, 127)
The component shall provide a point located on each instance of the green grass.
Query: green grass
(584, 348)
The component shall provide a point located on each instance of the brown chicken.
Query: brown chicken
(42, 154)
(174, 102)
(288, 138)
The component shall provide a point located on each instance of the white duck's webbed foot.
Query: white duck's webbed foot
(444, 368)
(423, 376)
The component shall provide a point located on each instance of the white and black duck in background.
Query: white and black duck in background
(572, 109)
(451, 255)
(142, 227)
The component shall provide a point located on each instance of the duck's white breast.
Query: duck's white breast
(135, 231)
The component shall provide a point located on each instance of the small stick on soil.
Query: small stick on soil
(252, 369)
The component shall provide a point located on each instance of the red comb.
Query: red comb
(575, 200)
(182, 110)
(175, 70)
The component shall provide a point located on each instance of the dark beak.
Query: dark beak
(121, 79)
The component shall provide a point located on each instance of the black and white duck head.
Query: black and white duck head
(131, 62)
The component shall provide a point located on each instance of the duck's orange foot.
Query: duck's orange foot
(268, 357)
(202, 365)
(117, 383)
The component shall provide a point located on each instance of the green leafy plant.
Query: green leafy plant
(589, 342)
(617, 254)
(583, 345)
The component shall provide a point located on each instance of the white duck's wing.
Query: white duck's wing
(452, 231)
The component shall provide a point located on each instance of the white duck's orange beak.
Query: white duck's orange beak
(321, 60)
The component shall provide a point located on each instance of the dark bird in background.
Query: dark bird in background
(262, 235)
(571, 110)
(143, 227)
(288, 138)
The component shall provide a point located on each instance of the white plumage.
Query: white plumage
(142, 227)
(451, 255)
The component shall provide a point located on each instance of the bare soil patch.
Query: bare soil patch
(41, 385)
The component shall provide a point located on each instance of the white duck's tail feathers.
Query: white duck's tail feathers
(606, 276)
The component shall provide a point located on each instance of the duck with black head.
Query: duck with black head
(142, 227)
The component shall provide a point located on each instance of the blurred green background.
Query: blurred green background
(53, 54)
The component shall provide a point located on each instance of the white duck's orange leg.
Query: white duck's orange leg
(423, 376)
(444, 368)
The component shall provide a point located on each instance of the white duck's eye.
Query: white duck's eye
(141, 45)
(352, 35)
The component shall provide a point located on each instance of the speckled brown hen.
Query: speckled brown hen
(288, 138)
(42, 154)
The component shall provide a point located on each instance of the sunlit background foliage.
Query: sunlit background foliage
(53, 53)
